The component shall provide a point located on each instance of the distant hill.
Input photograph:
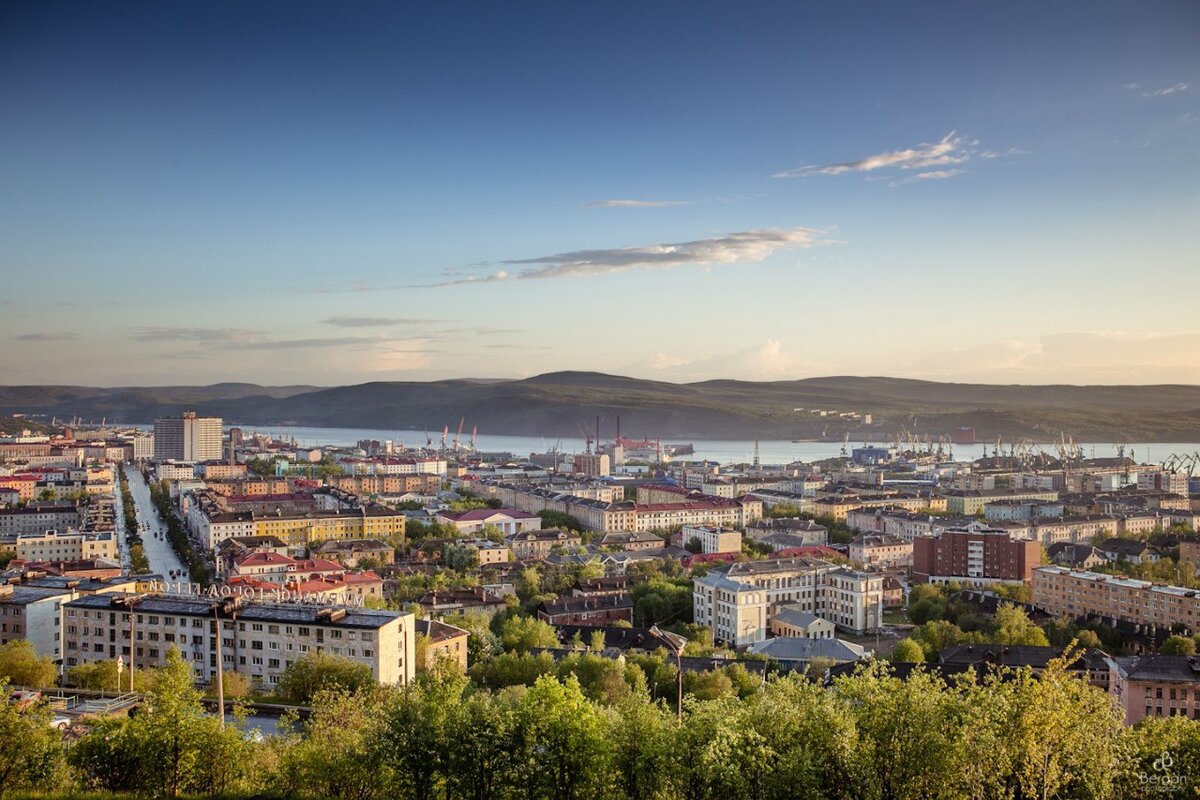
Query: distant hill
(556, 404)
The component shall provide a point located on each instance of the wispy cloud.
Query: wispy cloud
(58, 336)
(303, 344)
(744, 246)
(635, 203)
(932, 175)
(950, 149)
(202, 335)
(1160, 91)
(374, 322)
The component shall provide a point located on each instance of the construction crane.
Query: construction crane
(587, 437)
(428, 439)
(845, 443)
(474, 430)
(458, 435)
(445, 434)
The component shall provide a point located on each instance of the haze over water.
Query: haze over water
(771, 451)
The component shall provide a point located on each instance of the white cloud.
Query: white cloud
(635, 203)
(950, 149)
(732, 248)
(1161, 91)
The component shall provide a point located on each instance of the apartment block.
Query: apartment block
(70, 545)
(259, 640)
(971, 502)
(974, 554)
(1070, 593)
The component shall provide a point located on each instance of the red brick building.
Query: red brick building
(974, 554)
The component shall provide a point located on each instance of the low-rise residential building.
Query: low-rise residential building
(1135, 551)
(1076, 556)
(350, 551)
(39, 518)
(603, 610)
(880, 550)
(443, 641)
(799, 624)
(259, 640)
(797, 654)
(809, 533)
(629, 540)
(535, 545)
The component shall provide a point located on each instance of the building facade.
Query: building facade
(187, 438)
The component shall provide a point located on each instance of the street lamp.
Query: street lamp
(675, 643)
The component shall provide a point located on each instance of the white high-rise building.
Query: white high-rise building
(187, 438)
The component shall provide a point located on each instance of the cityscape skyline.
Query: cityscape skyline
(227, 192)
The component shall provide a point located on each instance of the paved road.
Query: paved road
(158, 550)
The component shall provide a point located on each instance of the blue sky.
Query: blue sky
(295, 193)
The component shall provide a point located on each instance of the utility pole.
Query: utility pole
(220, 667)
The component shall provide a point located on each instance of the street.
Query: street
(158, 550)
(123, 534)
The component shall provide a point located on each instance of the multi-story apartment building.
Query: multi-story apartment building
(386, 484)
(1021, 510)
(1156, 686)
(712, 539)
(970, 502)
(974, 554)
(393, 466)
(38, 518)
(737, 604)
(33, 614)
(1074, 529)
(1072, 594)
(900, 523)
(69, 545)
(259, 640)
(187, 438)
(299, 520)
(881, 550)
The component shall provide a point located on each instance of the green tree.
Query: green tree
(563, 742)
(908, 651)
(336, 756)
(20, 665)
(33, 754)
(414, 727)
(314, 672)
(482, 758)
(1179, 646)
(1013, 627)
(523, 633)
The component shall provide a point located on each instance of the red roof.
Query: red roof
(807, 550)
(262, 559)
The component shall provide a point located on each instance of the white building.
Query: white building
(737, 604)
(33, 614)
(712, 539)
(187, 438)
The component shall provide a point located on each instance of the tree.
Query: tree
(1179, 646)
(908, 651)
(460, 558)
(523, 633)
(557, 519)
(170, 747)
(562, 741)
(33, 754)
(22, 666)
(694, 545)
(103, 676)
(1013, 627)
(314, 672)
(413, 730)
(337, 756)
